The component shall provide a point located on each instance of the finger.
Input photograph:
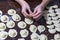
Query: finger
(29, 11)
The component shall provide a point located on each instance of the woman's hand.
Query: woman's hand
(25, 7)
(37, 12)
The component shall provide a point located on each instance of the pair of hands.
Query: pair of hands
(36, 14)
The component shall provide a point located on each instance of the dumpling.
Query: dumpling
(34, 36)
(52, 31)
(55, 18)
(2, 26)
(1, 13)
(3, 35)
(11, 11)
(33, 28)
(57, 25)
(57, 37)
(49, 22)
(43, 37)
(24, 33)
(21, 39)
(4, 18)
(10, 24)
(12, 33)
(50, 26)
(22, 24)
(55, 21)
(28, 20)
(57, 10)
(16, 17)
(57, 29)
(41, 28)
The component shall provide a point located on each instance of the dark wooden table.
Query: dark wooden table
(5, 5)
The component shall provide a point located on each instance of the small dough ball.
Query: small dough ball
(28, 20)
(52, 31)
(33, 28)
(55, 18)
(12, 33)
(2, 26)
(57, 29)
(43, 37)
(57, 25)
(34, 36)
(41, 28)
(10, 24)
(50, 26)
(21, 39)
(57, 10)
(57, 37)
(16, 17)
(24, 33)
(1, 13)
(11, 11)
(55, 21)
(3, 35)
(4, 18)
(22, 24)
(49, 22)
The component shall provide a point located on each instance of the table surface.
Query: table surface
(5, 5)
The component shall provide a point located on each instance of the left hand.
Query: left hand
(37, 12)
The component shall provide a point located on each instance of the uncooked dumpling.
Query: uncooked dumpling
(22, 24)
(1, 13)
(3, 35)
(33, 28)
(34, 36)
(43, 37)
(50, 26)
(2, 26)
(10, 24)
(12, 33)
(41, 28)
(16, 17)
(4, 18)
(28, 20)
(24, 33)
(11, 11)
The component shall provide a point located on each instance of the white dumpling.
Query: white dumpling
(4, 18)
(22, 24)
(3, 35)
(43, 37)
(50, 26)
(11, 11)
(33, 28)
(16, 17)
(21, 39)
(1, 13)
(52, 31)
(2, 26)
(34, 36)
(24, 33)
(57, 10)
(57, 29)
(55, 6)
(51, 11)
(12, 33)
(41, 28)
(28, 20)
(49, 22)
(57, 37)
(55, 18)
(10, 24)
(57, 25)
(55, 21)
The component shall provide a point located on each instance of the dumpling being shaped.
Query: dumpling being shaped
(34, 36)
(33, 28)
(3, 35)
(41, 28)
(4, 18)
(24, 33)
(12, 33)
(28, 20)
(10, 24)
(43, 37)
(2, 26)
(11, 12)
(22, 24)
(16, 17)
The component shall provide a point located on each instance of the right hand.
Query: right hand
(25, 8)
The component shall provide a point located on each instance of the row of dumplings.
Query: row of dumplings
(52, 17)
